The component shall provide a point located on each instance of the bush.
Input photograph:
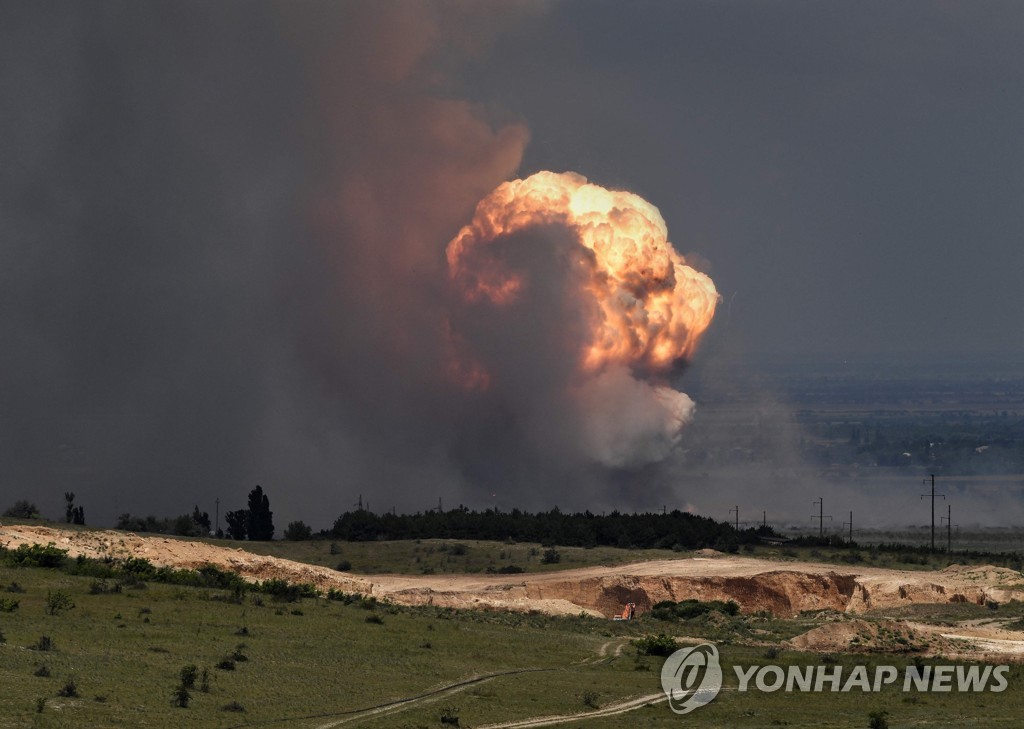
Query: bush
(226, 665)
(450, 715)
(22, 510)
(689, 609)
(589, 699)
(297, 531)
(45, 643)
(375, 619)
(188, 675)
(659, 645)
(36, 555)
(42, 672)
(69, 690)
(878, 720)
(180, 697)
(8, 605)
(551, 556)
(344, 566)
(233, 706)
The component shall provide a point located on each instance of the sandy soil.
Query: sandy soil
(783, 588)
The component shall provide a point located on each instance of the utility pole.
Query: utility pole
(949, 527)
(764, 518)
(216, 519)
(850, 524)
(821, 517)
(737, 511)
(933, 507)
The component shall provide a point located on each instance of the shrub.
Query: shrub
(459, 550)
(42, 672)
(102, 587)
(36, 555)
(22, 510)
(450, 715)
(375, 619)
(8, 605)
(188, 675)
(45, 643)
(297, 531)
(40, 705)
(551, 556)
(590, 700)
(204, 681)
(878, 720)
(180, 697)
(233, 706)
(15, 588)
(659, 645)
(344, 566)
(226, 665)
(69, 690)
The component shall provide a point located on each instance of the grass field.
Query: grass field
(315, 662)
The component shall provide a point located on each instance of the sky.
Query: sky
(223, 228)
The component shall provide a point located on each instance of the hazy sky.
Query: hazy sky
(222, 225)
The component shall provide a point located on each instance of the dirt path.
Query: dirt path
(611, 710)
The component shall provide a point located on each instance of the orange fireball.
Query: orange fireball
(653, 306)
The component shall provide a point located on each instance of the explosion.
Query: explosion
(643, 309)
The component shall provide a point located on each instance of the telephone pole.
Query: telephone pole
(821, 517)
(933, 507)
(216, 525)
(949, 526)
(850, 524)
(737, 511)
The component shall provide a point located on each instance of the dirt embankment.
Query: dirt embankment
(781, 588)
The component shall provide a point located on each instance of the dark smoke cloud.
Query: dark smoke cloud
(224, 230)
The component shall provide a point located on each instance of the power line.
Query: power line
(821, 517)
(933, 507)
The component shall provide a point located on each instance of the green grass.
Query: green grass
(315, 661)
(443, 556)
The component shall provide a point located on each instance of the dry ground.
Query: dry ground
(782, 588)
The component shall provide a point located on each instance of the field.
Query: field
(314, 662)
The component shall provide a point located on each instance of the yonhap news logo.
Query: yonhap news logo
(692, 677)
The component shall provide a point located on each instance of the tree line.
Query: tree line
(674, 529)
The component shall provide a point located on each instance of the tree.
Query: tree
(73, 514)
(237, 523)
(202, 520)
(23, 510)
(261, 519)
(297, 531)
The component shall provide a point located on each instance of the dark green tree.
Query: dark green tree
(202, 520)
(298, 531)
(238, 522)
(23, 510)
(261, 519)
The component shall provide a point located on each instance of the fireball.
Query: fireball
(653, 307)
